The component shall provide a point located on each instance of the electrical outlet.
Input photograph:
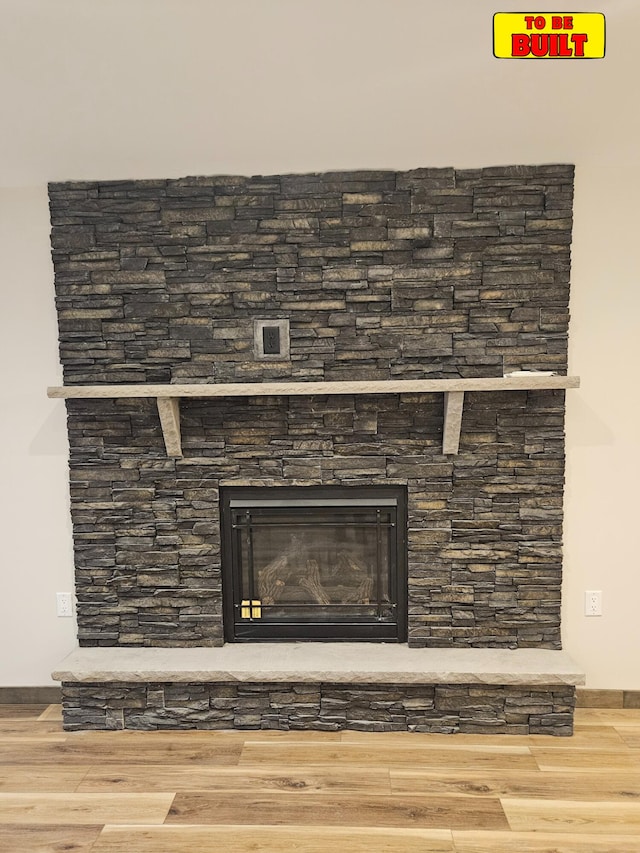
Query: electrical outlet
(593, 602)
(271, 340)
(64, 604)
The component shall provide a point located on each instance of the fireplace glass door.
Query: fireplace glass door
(314, 564)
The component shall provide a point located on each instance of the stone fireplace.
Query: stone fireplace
(335, 487)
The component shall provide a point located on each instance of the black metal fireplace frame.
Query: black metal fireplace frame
(389, 498)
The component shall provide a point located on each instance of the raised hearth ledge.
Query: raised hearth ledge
(168, 396)
(336, 663)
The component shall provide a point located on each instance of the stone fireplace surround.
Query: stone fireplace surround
(433, 273)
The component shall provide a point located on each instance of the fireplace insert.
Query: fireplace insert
(314, 563)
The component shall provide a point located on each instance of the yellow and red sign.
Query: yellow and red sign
(548, 35)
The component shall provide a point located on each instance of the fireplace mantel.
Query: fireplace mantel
(168, 396)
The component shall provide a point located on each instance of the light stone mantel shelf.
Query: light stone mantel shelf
(168, 396)
(334, 663)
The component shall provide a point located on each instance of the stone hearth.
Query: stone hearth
(326, 686)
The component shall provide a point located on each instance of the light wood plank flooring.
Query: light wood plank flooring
(311, 792)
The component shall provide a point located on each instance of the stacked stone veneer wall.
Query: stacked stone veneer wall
(442, 708)
(429, 273)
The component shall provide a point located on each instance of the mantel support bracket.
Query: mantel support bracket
(453, 405)
(169, 411)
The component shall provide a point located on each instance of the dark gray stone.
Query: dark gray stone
(425, 273)
(334, 707)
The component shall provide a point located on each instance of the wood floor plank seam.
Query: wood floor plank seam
(289, 839)
(424, 811)
(540, 842)
(591, 818)
(82, 808)
(301, 780)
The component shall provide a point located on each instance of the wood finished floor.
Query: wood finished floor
(311, 792)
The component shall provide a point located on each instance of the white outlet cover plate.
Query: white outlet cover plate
(64, 604)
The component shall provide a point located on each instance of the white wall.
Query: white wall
(35, 529)
(163, 88)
